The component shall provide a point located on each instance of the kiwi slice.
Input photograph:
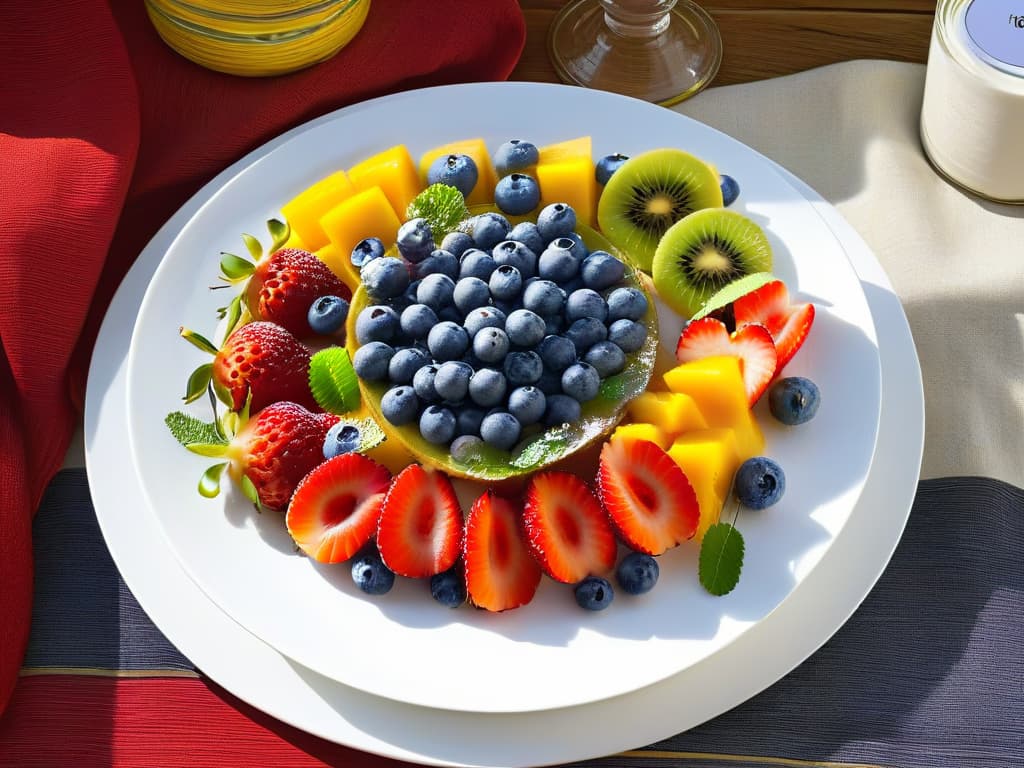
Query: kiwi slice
(702, 253)
(648, 194)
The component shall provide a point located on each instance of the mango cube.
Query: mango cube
(634, 432)
(716, 384)
(709, 459)
(573, 149)
(487, 179)
(572, 182)
(340, 264)
(672, 412)
(365, 214)
(303, 211)
(392, 454)
(294, 241)
(394, 171)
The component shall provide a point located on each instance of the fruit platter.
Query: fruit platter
(502, 394)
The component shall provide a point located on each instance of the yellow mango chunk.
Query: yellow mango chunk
(672, 412)
(365, 214)
(392, 454)
(303, 211)
(340, 264)
(572, 182)
(573, 149)
(634, 432)
(394, 171)
(709, 459)
(716, 384)
(294, 241)
(483, 192)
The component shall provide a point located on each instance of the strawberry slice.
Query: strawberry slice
(500, 572)
(335, 509)
(649, 500)
(752, 344)
(567, 531)
(787, 323)
(420, 528)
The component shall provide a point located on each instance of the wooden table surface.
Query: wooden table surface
(765, 38)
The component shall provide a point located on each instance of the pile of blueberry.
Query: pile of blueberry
(497, 331)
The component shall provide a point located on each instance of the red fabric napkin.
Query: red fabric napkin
(104, 133)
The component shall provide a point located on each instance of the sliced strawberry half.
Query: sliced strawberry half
(501, 574)
(787, 323)
(335, 509)
(567, 531)
(649, 500)
(752, 344)
(420, 528)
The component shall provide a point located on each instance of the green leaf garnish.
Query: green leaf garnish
(209, 450)
(280, 231)
(197, 340)
(198, 382)
(235, 267)
(234, 314)
(209, 483)
(250, 492)
(188, 430)
(442, 205)
(253, 246)
(333, 380)
(721, 559)
(727, 294)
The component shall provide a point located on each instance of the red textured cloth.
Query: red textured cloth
(104, 132)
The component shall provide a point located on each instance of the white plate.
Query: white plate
(257, 674)
(544, 655)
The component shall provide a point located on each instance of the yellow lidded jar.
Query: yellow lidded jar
(257, 38)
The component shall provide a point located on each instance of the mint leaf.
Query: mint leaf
(442, 205)
(333, 380)
(721, 559)
(189, 430)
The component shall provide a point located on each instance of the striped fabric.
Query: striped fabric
(940, 637)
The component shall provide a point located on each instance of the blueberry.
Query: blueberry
(523, 368)
(437, 424)
(556, 220)
(515, 155)
(435, 291)
(400, 405)
(759, 483)
(526, 232)
(467, 421)
(366, 250)
(415, 240)
(557, 262)
(628, 335)
(571, 285)
(465, 447)
(405, 363)
(794, 400)
(608, 165)
(385, 278)
(637, 573)
(341, 438)
(489, 229)
(594, 593)
(491, 345)
(550, 383)
(626, 303)
(452, 381)
(423, 384)
(456, 243)
(516, 194)
(561, 409)
(327, 315)
(506, 282)
(730, 189)
(585, 333)
(585, 303)
(554, 324)
(371, 361)
(457, 171)
(505, 307)
(484, 317)
(606, 358)
(527, 404)
(581, 382)
(371, 575)
(513, 254)
(417, 320)
(578, 248)
(524, 328)
(544, 298)
(438, 262)
(447, 341)
(557, 353)
(471, 293)
(449, 587)
(500, 430)
(450, 314)
(601, 270)
(409, 297)
(477, 263)
(487, 387)
(376, 323)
